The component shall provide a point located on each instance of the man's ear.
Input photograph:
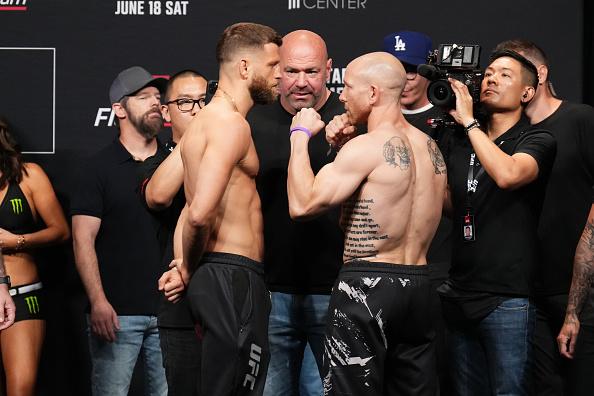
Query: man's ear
(244, 68)
(373, 94)
(328, 70)
(528, 94)
(165, 113)
(543, 74)
(119, 110)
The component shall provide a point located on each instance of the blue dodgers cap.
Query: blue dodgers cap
(409, 47)
(131, 80)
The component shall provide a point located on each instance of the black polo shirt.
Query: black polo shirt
(505, 253)
(299, 257)
(127, 243)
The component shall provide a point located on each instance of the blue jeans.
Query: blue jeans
(296, 321)
(494, 355)
(113, 362)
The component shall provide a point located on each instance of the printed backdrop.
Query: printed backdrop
(59, 57)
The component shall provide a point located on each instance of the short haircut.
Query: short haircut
(181, 74)
(529, 71)
(242, 36)
(528, 48)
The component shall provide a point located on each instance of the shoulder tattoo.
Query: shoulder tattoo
(396, 153)
(439, 165)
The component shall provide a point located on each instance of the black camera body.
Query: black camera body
(458, 61)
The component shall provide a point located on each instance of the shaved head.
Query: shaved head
(305, 67)
(304, 43)
(380, 69)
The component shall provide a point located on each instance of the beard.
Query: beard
(148, 126)
(261, 92)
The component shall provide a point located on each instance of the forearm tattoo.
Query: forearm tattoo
(439, 165)
(396, 153)
(583, 271)
(361, 232)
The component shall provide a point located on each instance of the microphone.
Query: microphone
(430, 72)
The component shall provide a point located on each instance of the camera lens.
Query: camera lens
(440, 94)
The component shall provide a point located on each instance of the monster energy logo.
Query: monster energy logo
(32, 304)
(17, 205)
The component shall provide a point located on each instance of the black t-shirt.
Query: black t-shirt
(440, 250)
(178, 314)
(127, 244)
(419, 119)
(567, 200)
(505, 253)
(299, 257)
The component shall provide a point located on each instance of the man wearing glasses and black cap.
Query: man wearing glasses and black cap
(116, 244)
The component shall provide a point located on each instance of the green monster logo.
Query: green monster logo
(32, 304)
(17, 205)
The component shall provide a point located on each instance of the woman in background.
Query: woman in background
(26, 195)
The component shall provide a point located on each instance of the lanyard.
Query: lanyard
(472, 180)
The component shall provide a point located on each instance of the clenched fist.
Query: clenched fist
(310, 119)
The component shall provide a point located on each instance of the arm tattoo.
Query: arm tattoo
(393, 148)
(439, 165)
(583, 271)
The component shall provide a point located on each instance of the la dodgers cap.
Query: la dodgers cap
(131, 80)
(409, 47)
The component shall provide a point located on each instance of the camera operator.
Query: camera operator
(564, 213)
(496, 174)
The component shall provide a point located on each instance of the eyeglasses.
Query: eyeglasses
(186, 104)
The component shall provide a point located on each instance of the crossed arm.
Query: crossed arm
(581, 283)
(166, 181)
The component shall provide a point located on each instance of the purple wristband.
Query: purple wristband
(300, 128)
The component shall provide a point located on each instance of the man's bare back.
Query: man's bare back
(215, 136)
(391, 182)
(393, 215)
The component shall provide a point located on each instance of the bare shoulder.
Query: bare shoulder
(34, 174)
(212, 126)
(358, 150)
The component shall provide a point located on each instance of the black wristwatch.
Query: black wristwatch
(5, 279)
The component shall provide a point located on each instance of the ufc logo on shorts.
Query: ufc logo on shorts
(399, 45)
(254, 363)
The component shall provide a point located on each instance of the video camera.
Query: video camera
(459, 61)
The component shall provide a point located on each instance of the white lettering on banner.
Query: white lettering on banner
(335, 82)
(129, 8)
(13, 2)
(327, 4)
(155, 7)
(176, 7)
(104, 114)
